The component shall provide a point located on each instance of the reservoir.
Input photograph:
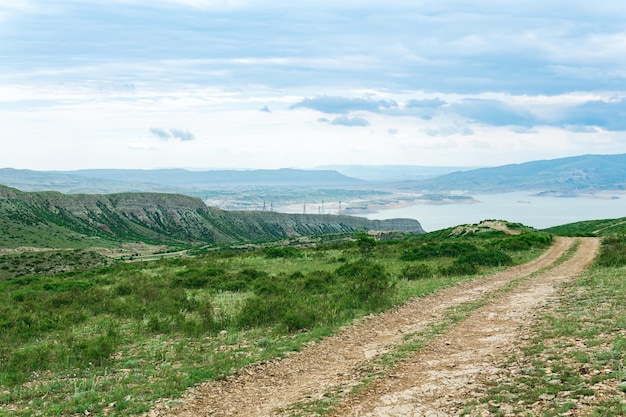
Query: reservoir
(517, 207)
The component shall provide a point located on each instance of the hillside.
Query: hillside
(564, 176)
(603, 228)
(52, 219)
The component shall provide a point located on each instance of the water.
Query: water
(519, 207)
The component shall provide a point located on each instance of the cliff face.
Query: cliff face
(170, 218)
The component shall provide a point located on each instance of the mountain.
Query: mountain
(104, 181)
(52, 219)
(565, 176)
(389, 173)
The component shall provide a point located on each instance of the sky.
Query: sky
(245, 84)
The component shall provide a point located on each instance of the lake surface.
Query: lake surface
(519, 207)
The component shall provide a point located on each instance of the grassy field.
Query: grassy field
(113, 340)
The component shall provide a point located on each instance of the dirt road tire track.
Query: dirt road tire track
(263, 389)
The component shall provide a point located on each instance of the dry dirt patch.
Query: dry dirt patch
(438, 373)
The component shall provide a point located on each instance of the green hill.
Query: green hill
(52, 219)
(604, 227)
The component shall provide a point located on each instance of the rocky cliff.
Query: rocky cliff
(166, 218)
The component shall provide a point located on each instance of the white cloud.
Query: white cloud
(453, 76)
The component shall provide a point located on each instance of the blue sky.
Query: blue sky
(271, 84)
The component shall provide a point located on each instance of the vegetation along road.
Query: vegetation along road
(435, 356)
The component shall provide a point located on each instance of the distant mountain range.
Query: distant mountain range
(564, 176)
(578, 174)
(52, 219)
(102, 181)
(390, 173)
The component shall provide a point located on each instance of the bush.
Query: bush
(368, 282)
(526, 241)
(421, 253)
(318, 281)
(418, 271)
(612, 252)
(459, 269)
(485, 258)
(454, 249)
(286, 252)
(433, 250)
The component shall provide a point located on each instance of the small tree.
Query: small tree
(366, 244)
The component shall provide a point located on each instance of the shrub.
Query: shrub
(286, 252)
(299, 317)
(365, 243)
(193, 279)
(526, 241)
(368, 282)
(418, 271)
(421, 253)
(612, 251)
(459, 269)
(485, 258)
(251, 274)
(454, 249)
(318, 281)
(261, 311)
(434, 250)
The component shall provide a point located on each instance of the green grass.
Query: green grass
(84, 340)
(575, 360)
(604, 227)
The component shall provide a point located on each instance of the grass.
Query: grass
(114, 340)
(604, 227)
(573, 364)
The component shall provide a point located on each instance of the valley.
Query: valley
(157, 304)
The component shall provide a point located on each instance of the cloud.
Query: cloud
(344, 105)
(523, 130)
(493, 112)
(183, 135)
(430, 103)
(163, 134)
(160, 133)
(449, 131)
(463, 47)
(609, 115)
(350, 121)
(582, 129)
(345, 121)
(393, 131)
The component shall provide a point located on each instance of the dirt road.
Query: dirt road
(431, 382)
